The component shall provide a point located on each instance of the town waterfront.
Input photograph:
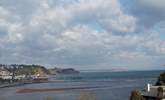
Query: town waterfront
(98, 85)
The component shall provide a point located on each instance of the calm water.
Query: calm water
(111, 86)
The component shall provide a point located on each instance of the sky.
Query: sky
(83, 34)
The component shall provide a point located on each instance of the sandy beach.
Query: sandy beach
(54, 89)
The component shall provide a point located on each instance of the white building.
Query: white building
(5, 74)
(20, 77)
(152, 92)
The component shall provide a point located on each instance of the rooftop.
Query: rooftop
(153, 91)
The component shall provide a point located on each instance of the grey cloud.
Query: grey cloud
(65, 33)
(147, 12)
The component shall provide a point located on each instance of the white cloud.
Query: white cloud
(79, 33)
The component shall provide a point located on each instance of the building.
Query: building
(154, 92)
(5, 73)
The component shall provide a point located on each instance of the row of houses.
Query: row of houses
(7, 74)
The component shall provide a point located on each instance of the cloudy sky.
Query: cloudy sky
(84, 34)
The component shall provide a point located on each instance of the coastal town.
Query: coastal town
(11, 75)
(16, 75)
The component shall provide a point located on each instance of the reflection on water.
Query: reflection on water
(87, 96)
(83, 96)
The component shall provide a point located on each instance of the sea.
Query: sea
(90, 86)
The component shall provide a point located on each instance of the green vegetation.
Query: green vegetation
(27, 71)
(161, 79)
(30, 70)
(160, 92)
(136, 95)
(22, 69)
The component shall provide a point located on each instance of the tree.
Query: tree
(161, 79)
(136, 95)
(160, 92)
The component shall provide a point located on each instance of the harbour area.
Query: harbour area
(15, 75)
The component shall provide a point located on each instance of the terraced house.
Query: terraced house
(5, 73)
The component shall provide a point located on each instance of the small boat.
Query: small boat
(36, 79)
(40, 79)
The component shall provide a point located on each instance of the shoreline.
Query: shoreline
(20, 91)
(6, 85)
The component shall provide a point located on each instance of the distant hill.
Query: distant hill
(25, 69)
(36, 69)
(106, 70)
(63, 71)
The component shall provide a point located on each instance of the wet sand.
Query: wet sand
(54, 89)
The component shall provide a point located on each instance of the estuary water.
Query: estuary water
(94, 85)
